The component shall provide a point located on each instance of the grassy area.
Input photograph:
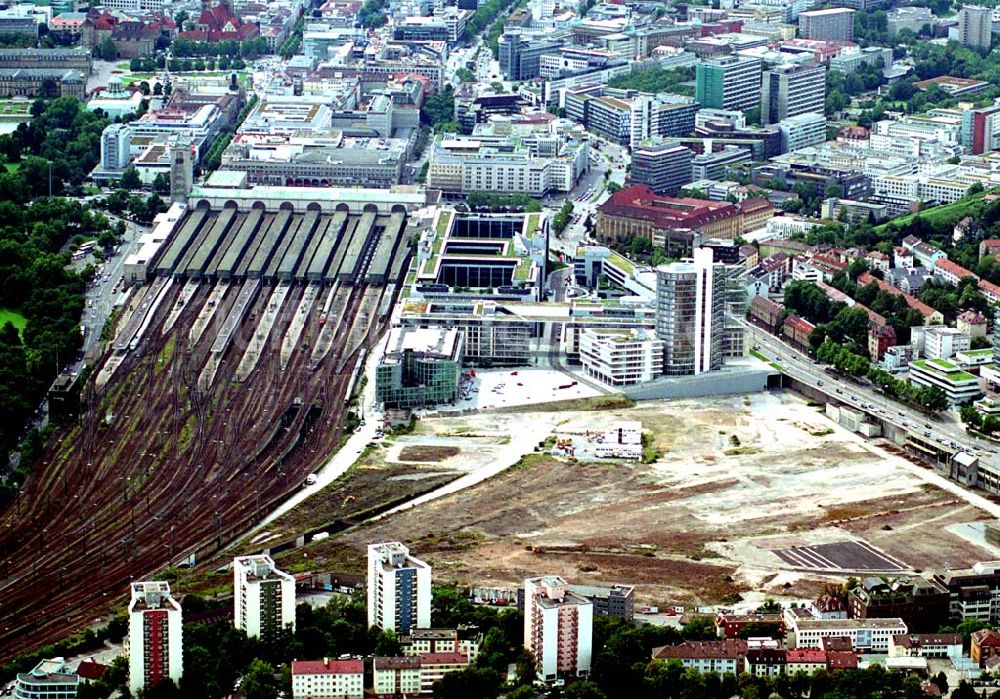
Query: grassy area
(530, 224)
(9, 316)
(614, 401)
(949, 214)
(761, 357)
(11, 167)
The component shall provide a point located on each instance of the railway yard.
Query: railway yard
(225, 386)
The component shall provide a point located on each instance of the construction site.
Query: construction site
(742, 496)
(226, 384)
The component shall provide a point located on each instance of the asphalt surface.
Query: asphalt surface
(943, 430)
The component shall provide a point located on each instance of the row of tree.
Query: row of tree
(249, 49)
(561, 219)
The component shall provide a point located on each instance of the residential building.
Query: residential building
(971, 323)
(663, 167)
(833, 24)
(621, 357)
(49, 679)
(975, 26)
(959, 386)
(765, 662)
(922, 604)
(690, 314)
(557, 628)
(865, 635)
(924, 253)
(975, 592)
(985, 644)
(396, 676)
(461, 640)
(328, 679)
(263, 598)
(789, 90)
(419, 367)
(434, 666)
(617, 601)
(721, 657)
(940, 342)
(115, 147)
(399, 589)
(928, 645)
(730, 625)
(155, 636)
(797, 331)
(729, 82)
(807, 660)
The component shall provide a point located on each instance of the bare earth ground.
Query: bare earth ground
(739, 477)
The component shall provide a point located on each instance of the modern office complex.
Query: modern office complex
(975, 26)
(155, 636)
(833, 24)
(729, 82)
(664, 167)
(690, 314)
(520, 56)
(115, 147)
(802, 130)
(534, 165)
(419, 367)
(981, 129)
(629, 117)
(49, 679)
(621, 357)
(558, 625)
(264, 598)
(399, 589)
(789, 90)
(849, 61)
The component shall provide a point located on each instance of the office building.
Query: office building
(975, 26)
(558, 625)
(628, 117)
(419, 367)
(621, 357)
(155, 636)
(958, 385)
(534, 165)
(116, 142)
(714, 165)
(264, 598)
(833, 24)
(912, 18)
(399, 589)
(49, 679)
(520, 57)
(663, 167)
(981, 129)
(864, 635)
(922, 604)
(850, 61)
(328, 679)
(729, 82)
(802, 131)
(789, 90)
(690, 314)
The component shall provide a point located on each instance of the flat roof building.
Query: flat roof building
(327, 678)
(419, 367)
(49, 679)
(558, 624)
(690, 314)
(833, 24)
(264, 598)
(155, 636)
(621, 357)
(399, 589)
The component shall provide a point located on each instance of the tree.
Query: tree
(259, 682)
(613, 187)
(161, 183)
(106, 50)
(130, 179)
(471, 682)
(584, 690)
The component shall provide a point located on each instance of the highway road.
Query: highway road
(945, 430)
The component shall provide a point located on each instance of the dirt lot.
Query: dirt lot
(738, 478)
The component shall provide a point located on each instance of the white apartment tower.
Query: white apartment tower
(558, 625)
(154, 636)
(116, 142)
(399, 589)
(264, 599)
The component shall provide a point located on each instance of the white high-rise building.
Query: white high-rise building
(399, 589)
(264, 597)
(558, 625)
(155, 636)
(690, 314)
(116, 140)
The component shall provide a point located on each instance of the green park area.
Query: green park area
(9, 316)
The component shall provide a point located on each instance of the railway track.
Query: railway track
(175, 472)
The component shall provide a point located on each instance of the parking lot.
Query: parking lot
(497, 388)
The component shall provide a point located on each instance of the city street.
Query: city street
(944, 430)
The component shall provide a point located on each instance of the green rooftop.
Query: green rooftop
(978, 353)
(621, 262)
(953, 371)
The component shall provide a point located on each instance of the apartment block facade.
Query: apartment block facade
(264, 601)
(155, 636)
(557, 628)
(399, 589)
